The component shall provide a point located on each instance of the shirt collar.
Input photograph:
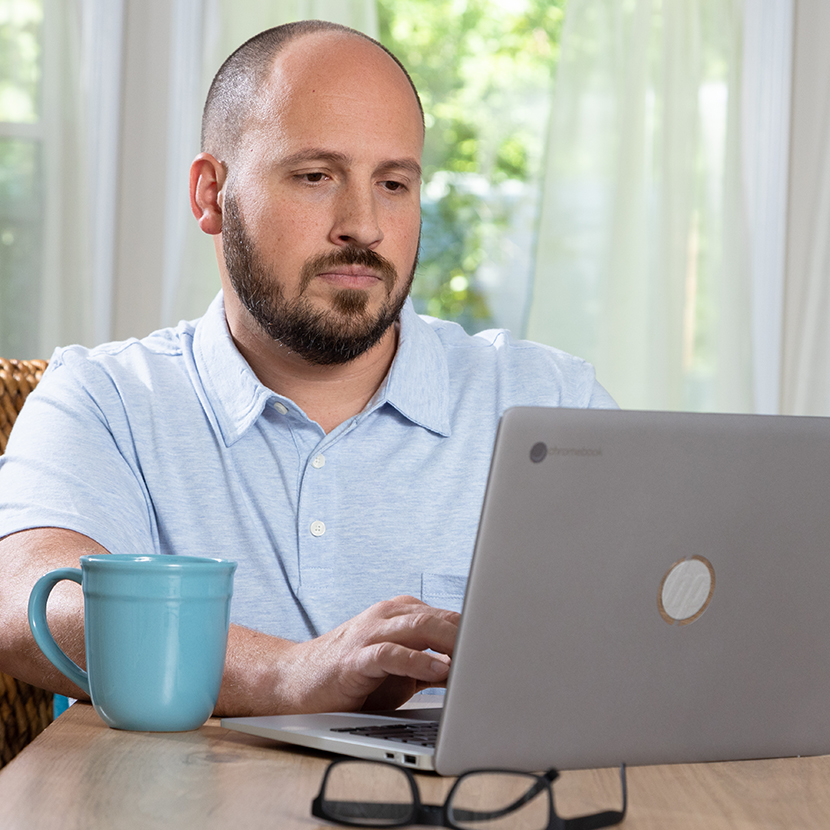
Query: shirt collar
(417, 385)
(234, 393)
(418, 382)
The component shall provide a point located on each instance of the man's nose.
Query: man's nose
(356, 219)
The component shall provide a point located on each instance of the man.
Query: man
(311, 426)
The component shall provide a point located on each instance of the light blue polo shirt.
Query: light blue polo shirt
(170, 444)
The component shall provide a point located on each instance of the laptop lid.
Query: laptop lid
(646, 588)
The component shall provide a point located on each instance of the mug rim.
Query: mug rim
(166, 560)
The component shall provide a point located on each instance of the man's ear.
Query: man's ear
(207, 178)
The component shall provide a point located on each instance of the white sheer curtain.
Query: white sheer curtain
(805, 381)
(683, 245)
(642, 259)
(82, 52)
(124, 83)
(766, 88)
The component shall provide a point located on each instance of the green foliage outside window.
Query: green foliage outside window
(484, 70)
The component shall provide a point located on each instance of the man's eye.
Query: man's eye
(394, 186)
(313, 177)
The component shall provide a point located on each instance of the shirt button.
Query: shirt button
(281, 408)
(318, 528)
(319, 461)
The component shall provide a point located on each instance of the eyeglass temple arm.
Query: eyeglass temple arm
(608, 818)
(593, 821)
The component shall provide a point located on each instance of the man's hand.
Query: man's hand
(377, 660)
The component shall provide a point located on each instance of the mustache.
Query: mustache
(350, 255)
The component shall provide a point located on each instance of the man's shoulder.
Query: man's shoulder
(500, 343)
(166, 342)
(144, 362)
(517, 372)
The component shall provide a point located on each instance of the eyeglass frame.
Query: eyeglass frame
(437, 815)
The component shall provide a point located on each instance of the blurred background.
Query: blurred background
(643, 183)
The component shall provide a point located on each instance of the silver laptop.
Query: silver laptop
(646, 588)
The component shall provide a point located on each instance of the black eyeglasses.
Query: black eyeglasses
(380, 794)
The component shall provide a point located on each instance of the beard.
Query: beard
(324, 337)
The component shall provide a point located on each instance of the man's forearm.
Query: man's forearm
(379, 658)
(24, 557)
(256, 678)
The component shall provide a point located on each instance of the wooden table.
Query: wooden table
(81, 774)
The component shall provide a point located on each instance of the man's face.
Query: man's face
(321, 213)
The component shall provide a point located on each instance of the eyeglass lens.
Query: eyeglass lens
(368, 795)
(500, 800)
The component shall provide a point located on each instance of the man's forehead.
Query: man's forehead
(327, 52)
(336, 91)
(337, 69)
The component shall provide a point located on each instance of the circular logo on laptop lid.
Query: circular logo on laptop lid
(686, 590)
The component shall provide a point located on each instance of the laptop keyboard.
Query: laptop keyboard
(422, 733)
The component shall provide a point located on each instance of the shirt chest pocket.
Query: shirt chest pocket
(443, 590)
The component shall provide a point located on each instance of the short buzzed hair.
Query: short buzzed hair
(243, 74)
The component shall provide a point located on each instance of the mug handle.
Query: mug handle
(40, 628)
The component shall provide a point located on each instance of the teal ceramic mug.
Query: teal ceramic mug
(156, 631)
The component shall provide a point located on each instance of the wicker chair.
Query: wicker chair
(25, 710)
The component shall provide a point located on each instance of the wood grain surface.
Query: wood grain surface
(81, 774)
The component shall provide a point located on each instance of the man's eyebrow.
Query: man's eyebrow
(312, 154)
(409, 165)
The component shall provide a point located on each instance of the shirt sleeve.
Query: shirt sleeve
(600, 399)
(70, 464)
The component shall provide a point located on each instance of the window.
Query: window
(21, 173)
(81, 152)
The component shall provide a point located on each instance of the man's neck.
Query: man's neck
(328, 395)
